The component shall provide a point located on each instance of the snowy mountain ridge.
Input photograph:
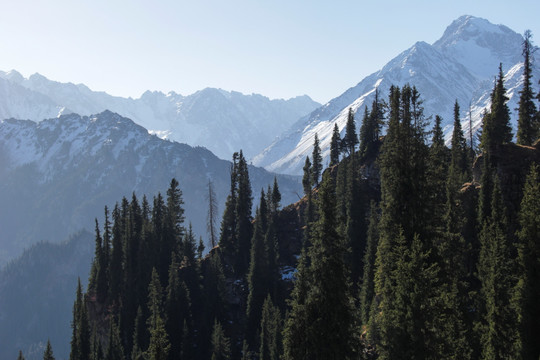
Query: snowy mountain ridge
(460, 66)
(219, 120)
(61, 172)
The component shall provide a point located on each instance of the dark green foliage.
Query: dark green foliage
(437, 173)
(350, 140)
(159, 346)
(221, 346)
(368, 279)
(496, 272)
(316, 167)
(80, 339)
(496, 128)
(236, 227)
(371, 127)
(322, 323)
(335, 146)
(460, 152)
(115, 350)
(306, 180)
(212, 216)
(528, 287)
(243, 215)
(48, 354)
(257, 279)
(275, 204)
(528, 129)
(20, 357)
(270, 330)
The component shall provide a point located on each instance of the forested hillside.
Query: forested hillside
(402, 249)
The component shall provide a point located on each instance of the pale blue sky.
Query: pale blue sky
(279, 48)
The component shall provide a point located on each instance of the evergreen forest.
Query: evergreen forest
(402, 248)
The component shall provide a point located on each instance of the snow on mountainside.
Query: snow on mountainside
(219, 120)
(58, 174)
(460, 66)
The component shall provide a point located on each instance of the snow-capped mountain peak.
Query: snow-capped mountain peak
(460, 66)
(219, 120)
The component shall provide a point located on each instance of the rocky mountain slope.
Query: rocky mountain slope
(219, 120)
(57, 175)
(460, 66)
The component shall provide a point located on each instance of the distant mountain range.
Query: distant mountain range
(57, 175)
(460, 66)
(219, 120)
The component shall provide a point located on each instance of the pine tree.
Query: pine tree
(257, 282)
(497, 275)
(212, 216)
(139, 337)
(221, 347)
(496, 128)
(316, 167)
(115, 269)
(96, 262)
(368, 287)
(243, 217)
(306, 180)
(437, 173)
(459, 152)
(335, 146)
(48, 354)
(528, 287)
(371, 127)
(159, 346)
(350, 140)
(275, 202)
(115, 350)
(80, 339)
(270, 330)
(20, 357)
(97, 350)
(527, 131)
(325, 317)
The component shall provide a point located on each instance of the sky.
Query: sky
(277, 48)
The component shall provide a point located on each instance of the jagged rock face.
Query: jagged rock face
(57, 175)
(460, 66)
(219, 120)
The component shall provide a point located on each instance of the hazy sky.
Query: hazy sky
(278, 48)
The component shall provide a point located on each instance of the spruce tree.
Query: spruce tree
(437, 173)
(306, 180)
(528, 287)
(48, 354)
(221, 346)
(326, 316)
(257, 280)
(20, 357)
(368, 287)
(228, 233)
(80, 339)
(496, 128)
(159, 346)
(350, 140)
(212, 216)
(270, 330)
(527, 132)
(244, 227)
(316, 167)
(459, 157)
(497, 275)
(115, 349)
(335, 146)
